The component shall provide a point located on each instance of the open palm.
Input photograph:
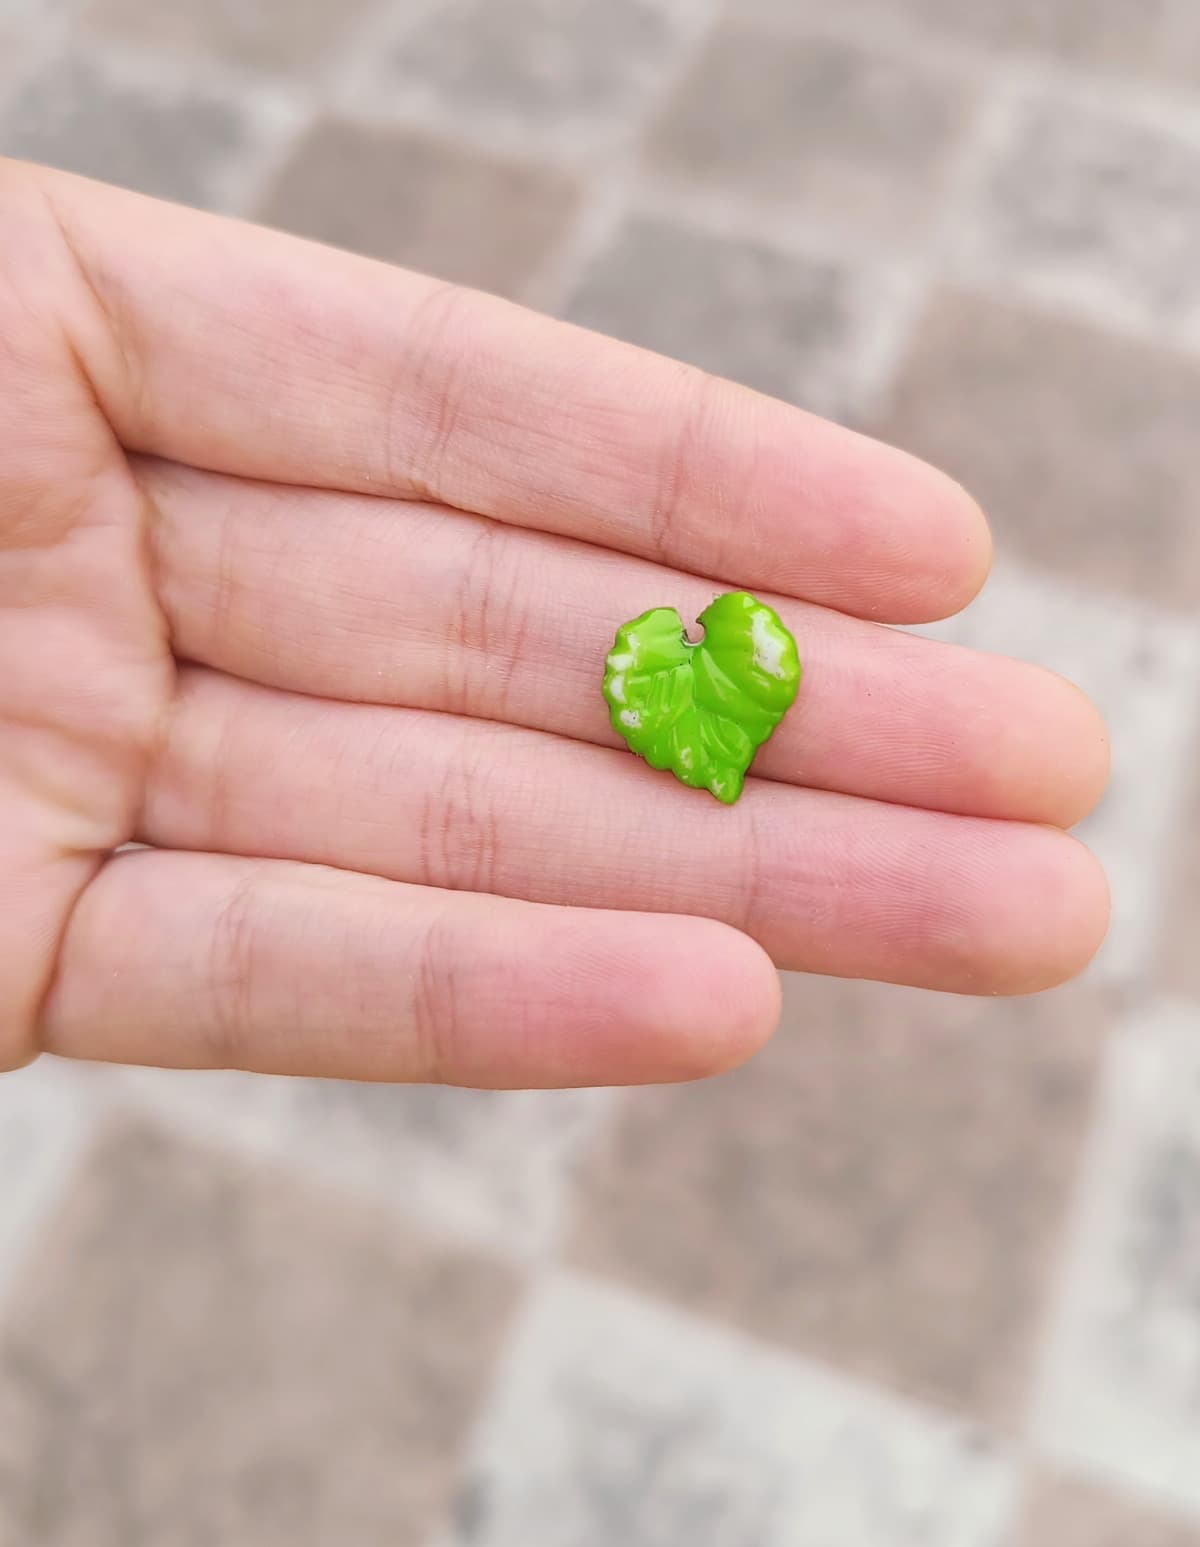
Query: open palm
(308, 568)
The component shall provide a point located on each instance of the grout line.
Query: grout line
(64, 1110)
(601, 159)
(1101, 1150)
(381, 28)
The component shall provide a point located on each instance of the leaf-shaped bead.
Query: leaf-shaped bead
(702, 710)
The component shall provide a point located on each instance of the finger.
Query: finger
(203, 961)
(825, 883)
(249, 352)
(360, 598)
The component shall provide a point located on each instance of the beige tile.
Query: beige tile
(416, 200)
(1081, 445)
(1068, 1512)
(815, 123)
(205, 1352)
(880, 1189)
(289, 36)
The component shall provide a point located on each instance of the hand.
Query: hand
(308, 568)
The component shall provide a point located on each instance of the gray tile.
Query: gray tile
(1178, 959)
(80, 113)
(1063, 1511)
(815, 123)
(1122, 1383)
(882, 1188)
(293, 37)
(797, 326)
(204, 1352)
(492, 1166)
(617, 1422)
(25, 15)
(1081, 445)
(1138, 38)
(461, 214)
(1092, 208)
(564, 74)
(47, 1115)
(1140, 666)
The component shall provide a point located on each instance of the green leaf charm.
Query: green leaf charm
(702, 710)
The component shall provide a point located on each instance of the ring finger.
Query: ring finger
(825, 883)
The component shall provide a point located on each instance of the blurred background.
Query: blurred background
(927, 1273)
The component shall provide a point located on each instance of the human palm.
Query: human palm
(308, 567)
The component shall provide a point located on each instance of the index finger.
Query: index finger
(244, 351)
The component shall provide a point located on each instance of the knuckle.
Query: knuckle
(425, 405)
(460, 829)
(680, 465)
(491, 621)
(435, 1005)
(234, 966)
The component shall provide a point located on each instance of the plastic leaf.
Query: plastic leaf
(702, 710)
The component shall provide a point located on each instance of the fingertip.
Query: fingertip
(1068, 906)
(968, 526)
(958, 548)
(1083, 770)
(717, 1006)
(1087, 908)
(918, 541)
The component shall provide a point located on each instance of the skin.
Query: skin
(308, 568)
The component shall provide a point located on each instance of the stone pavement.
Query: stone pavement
(926, 1274)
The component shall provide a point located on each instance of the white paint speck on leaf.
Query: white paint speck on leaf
(768, 647)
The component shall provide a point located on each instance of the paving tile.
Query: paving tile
(814, 123)
(493, 1166)
(879, 1189)
(83, 113)
(1135, 38)
(14, 46)
(45, 1124)
(616, 1421)
(204, 1352)
(798, 326)
(26, 15)
(1178, 961)
(412, 199)
(1068, 1512)
(564, 75)
(1141, 668)
(487, 1167)
(1081, 445)
(1120, 1391)
(1085, 206)
(292, 37)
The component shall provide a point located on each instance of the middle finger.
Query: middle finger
(398, 603)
